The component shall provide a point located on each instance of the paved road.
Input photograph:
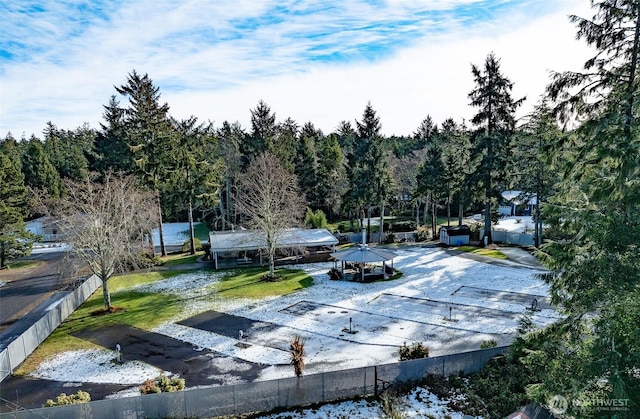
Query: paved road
(26, 293)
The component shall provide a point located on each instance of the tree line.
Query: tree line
(353, 172)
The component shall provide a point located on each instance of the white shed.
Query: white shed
(455, 236)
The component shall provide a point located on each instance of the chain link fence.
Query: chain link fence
(22, 346)
(263, 396)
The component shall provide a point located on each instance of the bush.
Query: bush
(62, 399)
(162, 384)
(402, 226)
(390, 238)
(486, 344)
(423, 233)
(296, 347)
(416, 351)
(316, 219)
(206, 247)
(187, 245)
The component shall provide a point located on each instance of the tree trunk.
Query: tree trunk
(229, 206)
(487, 221)
(434, 220)
(381, 222)
(163, 248)
(192, 236)
(350, 220)
(449, 210)
(460, 210)
(106, 296)
(369, 223)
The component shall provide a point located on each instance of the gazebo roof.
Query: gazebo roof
(363, 254)
(229, 241)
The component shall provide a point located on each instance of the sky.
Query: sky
(312, 61)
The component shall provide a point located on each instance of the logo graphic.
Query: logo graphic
(558, 405)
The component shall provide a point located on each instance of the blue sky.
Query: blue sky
(318, 61)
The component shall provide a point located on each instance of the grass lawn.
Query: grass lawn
(140, 309)
(492, 253)
(180, 258)
(248, 283)
(23, 264)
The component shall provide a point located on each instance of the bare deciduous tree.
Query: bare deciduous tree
(270, 200)
(107, 223)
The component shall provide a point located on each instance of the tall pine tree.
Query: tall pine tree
(495, 125)
(149, 134)
(593, 353)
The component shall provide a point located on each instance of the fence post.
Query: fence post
(375, 380)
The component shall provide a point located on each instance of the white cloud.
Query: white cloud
(208, 66)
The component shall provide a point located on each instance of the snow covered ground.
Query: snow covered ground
(433, 303)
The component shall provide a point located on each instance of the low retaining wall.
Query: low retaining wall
(19, 349)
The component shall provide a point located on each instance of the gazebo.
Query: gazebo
(358, 257)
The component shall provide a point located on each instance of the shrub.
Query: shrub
(392, 406)
(162, 384)
(62, 399)
(416, 351)
(206, 247)
(402, 226)
(390, 238)
(486, 344)
(187, 245)
(316, 219)
(297, 355)
(423, 233)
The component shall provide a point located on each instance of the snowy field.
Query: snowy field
(449, 303)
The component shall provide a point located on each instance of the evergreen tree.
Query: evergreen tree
(149, 134)
(285, 144)
(66, 153)
(351, 201)
(112, 149)
(426, 136)
(495, 125)
(197, 170)
(593, 353)
(458, 165)
(534, 171)
(38, 171)
(306, 169)
(230, 140)
(371, 181)
(10, 147)
(15, 241)
(262, 135)
(431, 179)
(332, 182)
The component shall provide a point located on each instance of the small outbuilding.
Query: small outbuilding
(455, 235)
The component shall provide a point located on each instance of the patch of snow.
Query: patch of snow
(419, 403)
(94, 366)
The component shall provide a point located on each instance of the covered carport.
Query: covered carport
(244, 247)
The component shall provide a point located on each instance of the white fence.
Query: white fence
(519, 239)
(20, 348)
